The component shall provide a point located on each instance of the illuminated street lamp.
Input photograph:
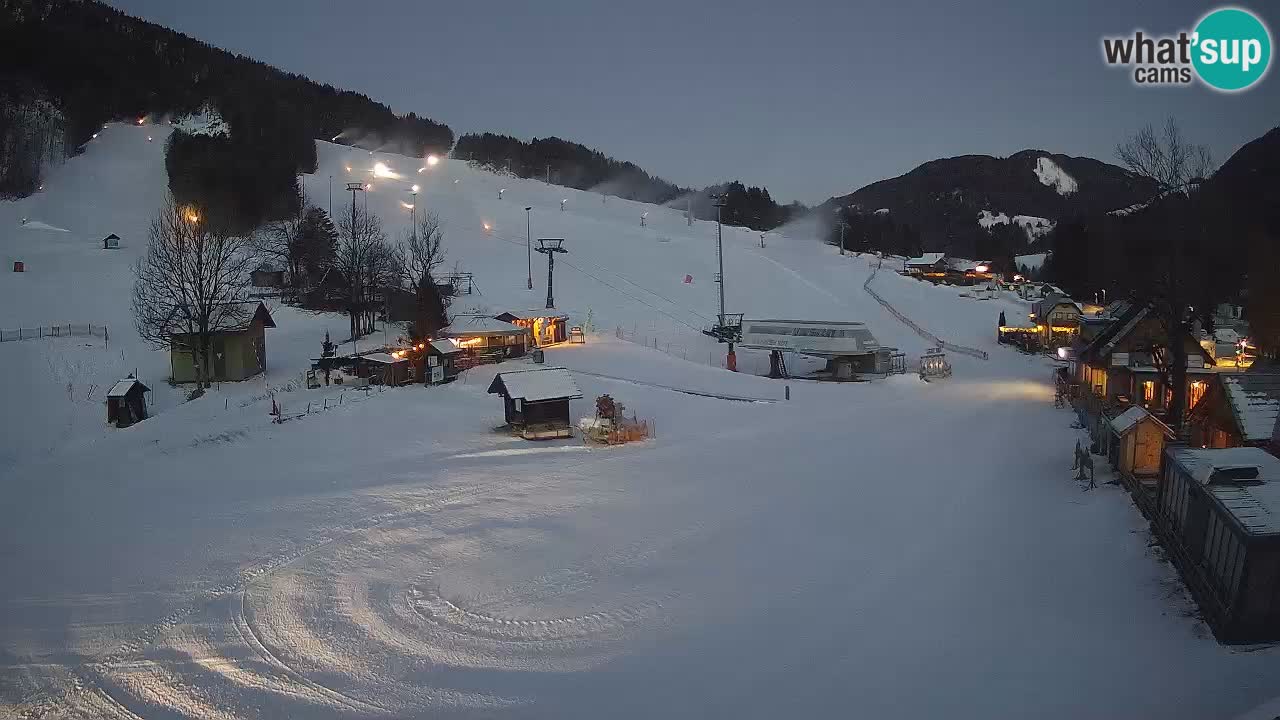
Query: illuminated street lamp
(528, 241)
(500, 193)
(562, 202)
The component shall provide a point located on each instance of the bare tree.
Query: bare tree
(423, 253)
(364, 262)
(423, 250)
(1168, 159)
(190, 284)
(1175, 236)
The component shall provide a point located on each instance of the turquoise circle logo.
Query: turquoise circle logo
(1232, 49)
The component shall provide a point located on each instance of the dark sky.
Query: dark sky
(811, 99)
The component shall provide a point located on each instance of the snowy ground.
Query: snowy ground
(889, 549)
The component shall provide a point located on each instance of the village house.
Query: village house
(932, 264)
(1218, 515)
(1237, 409)
(536, 402)
(236, 353)
(1057, 319)
(111, 242)
(1118, 368)
(489, 338)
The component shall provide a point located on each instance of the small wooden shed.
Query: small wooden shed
(1137, 442)
(536, 402)
(127, 403)
(111, 242)
(383, 369)
(442, 360)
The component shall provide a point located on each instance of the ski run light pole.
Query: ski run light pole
(528, 242)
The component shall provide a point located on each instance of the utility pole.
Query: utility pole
(528, 241)
(688, 211)
(548, 173)
(331, 197)
(549, 247)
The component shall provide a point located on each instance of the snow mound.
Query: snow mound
(208, 122)
(1055, 177)
(37, 225)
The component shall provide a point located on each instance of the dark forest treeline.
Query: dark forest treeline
(95, 64)
(570, 164)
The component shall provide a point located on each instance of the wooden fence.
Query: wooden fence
(44, 331)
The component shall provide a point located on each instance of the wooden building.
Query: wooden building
(1237, 409)
(1218, 515)
(932, 264)
(545, 327)
(111, 242)
(536, 402)
(487, 337)
(442, 361)
(236, 353)
(127, 402)
(266, 276)
(1117, 369)
(1137, 442)
(383, 369)
(1057, 319)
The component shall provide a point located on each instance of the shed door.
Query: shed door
(219, 359)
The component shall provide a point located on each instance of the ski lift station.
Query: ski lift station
(848, 347)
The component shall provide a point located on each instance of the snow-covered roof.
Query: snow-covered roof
(473, 325)
(536, 385)
(446, 346)
(122, 388)
(383, 358)
(1254, 502)
(1128, 420)
(1255, 402)
(931, 258)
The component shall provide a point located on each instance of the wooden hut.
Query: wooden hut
(1218, 515)
(1137, 442)
(536, 402)
(127, 402)
(383, 368)
(442, 360)
(111, 242)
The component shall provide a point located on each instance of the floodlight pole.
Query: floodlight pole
(528, 242)
(353, 188)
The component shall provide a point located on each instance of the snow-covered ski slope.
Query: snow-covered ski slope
(889, 549)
